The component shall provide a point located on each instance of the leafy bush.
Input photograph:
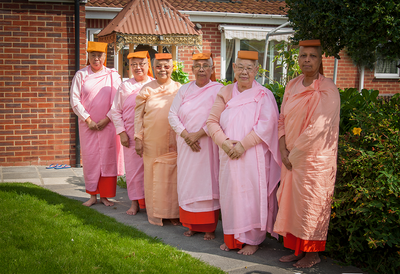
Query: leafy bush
(178, 75)
(365, 221)
(224, 82)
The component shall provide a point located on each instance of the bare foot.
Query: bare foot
(175, 222)
(91, 201)
(134, 208)
(189, 233)
(106, 202)
(291, 258)
(309, 260)
(224, 247)
(248, 250)
(209, 236)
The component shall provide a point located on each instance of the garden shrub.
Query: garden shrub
(365, 221)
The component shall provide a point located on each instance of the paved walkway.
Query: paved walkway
(69, 183)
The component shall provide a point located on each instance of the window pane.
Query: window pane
(230, 51)
(275, 69)
(385, 66)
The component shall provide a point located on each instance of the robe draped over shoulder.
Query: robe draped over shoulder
(248, 184)
(92, 95)
(309, 121)
(123, 116)
(198, 189)
(159, 150)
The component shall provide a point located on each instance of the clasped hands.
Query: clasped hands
(97, 126)
(192, 139)
(234, 149)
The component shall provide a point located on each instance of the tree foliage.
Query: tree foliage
(366, 28)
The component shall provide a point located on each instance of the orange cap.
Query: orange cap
(142, 55)
(163, 56)
(246, 54)
(97, 46)
(202, 56)
(310, 43)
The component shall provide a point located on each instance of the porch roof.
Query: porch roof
(151, 22)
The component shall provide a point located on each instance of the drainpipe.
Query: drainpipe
(335, 71)
(77, 67)
(362, 78)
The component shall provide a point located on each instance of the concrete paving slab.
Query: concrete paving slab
(56, 173)
(19, 169)
(35, 181)
(56, 180)
(15, 175)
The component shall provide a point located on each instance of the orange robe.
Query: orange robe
(309, 120)
(159, 150)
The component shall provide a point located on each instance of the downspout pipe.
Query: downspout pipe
(77, 67)
(362, 78)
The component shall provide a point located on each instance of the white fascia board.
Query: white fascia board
(200, 16)
(236, 18)
(252, 28)
(101, 13)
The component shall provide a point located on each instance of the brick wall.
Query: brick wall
(211, 42)
(37, 63)
(349, 76)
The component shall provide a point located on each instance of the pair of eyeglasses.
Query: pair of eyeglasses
(241, 68)
(205, 66)
(163, 66)
(135, 65)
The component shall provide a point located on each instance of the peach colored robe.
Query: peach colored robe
(92, 95)
(310, 122)
(123, 117)
(198, 189)
(247, 185)
(159, 150)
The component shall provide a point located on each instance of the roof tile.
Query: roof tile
(234, 6)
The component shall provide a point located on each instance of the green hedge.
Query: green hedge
(365, 221)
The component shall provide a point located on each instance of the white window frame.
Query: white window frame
(379, 75)
(222, 29)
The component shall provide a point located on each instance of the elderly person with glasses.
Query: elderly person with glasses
(123, 115)
(244, 124)
(156, 142)
(92, 92)
(198, 190)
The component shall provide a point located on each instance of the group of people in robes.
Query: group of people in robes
(194, 151)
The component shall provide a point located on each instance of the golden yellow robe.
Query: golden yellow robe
(159, 150)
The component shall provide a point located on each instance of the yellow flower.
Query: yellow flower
(175, 65)
(356, 131)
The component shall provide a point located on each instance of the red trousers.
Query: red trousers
(199, 221)
(107, 187)
(299, 245)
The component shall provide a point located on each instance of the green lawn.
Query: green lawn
(44, 232)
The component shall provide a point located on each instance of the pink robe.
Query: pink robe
(92, 95)
(159, 150)
(310, 122)
(123, 116)
(198, 189)
(248, 184)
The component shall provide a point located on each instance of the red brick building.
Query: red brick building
(37, 125)
(37, 62)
